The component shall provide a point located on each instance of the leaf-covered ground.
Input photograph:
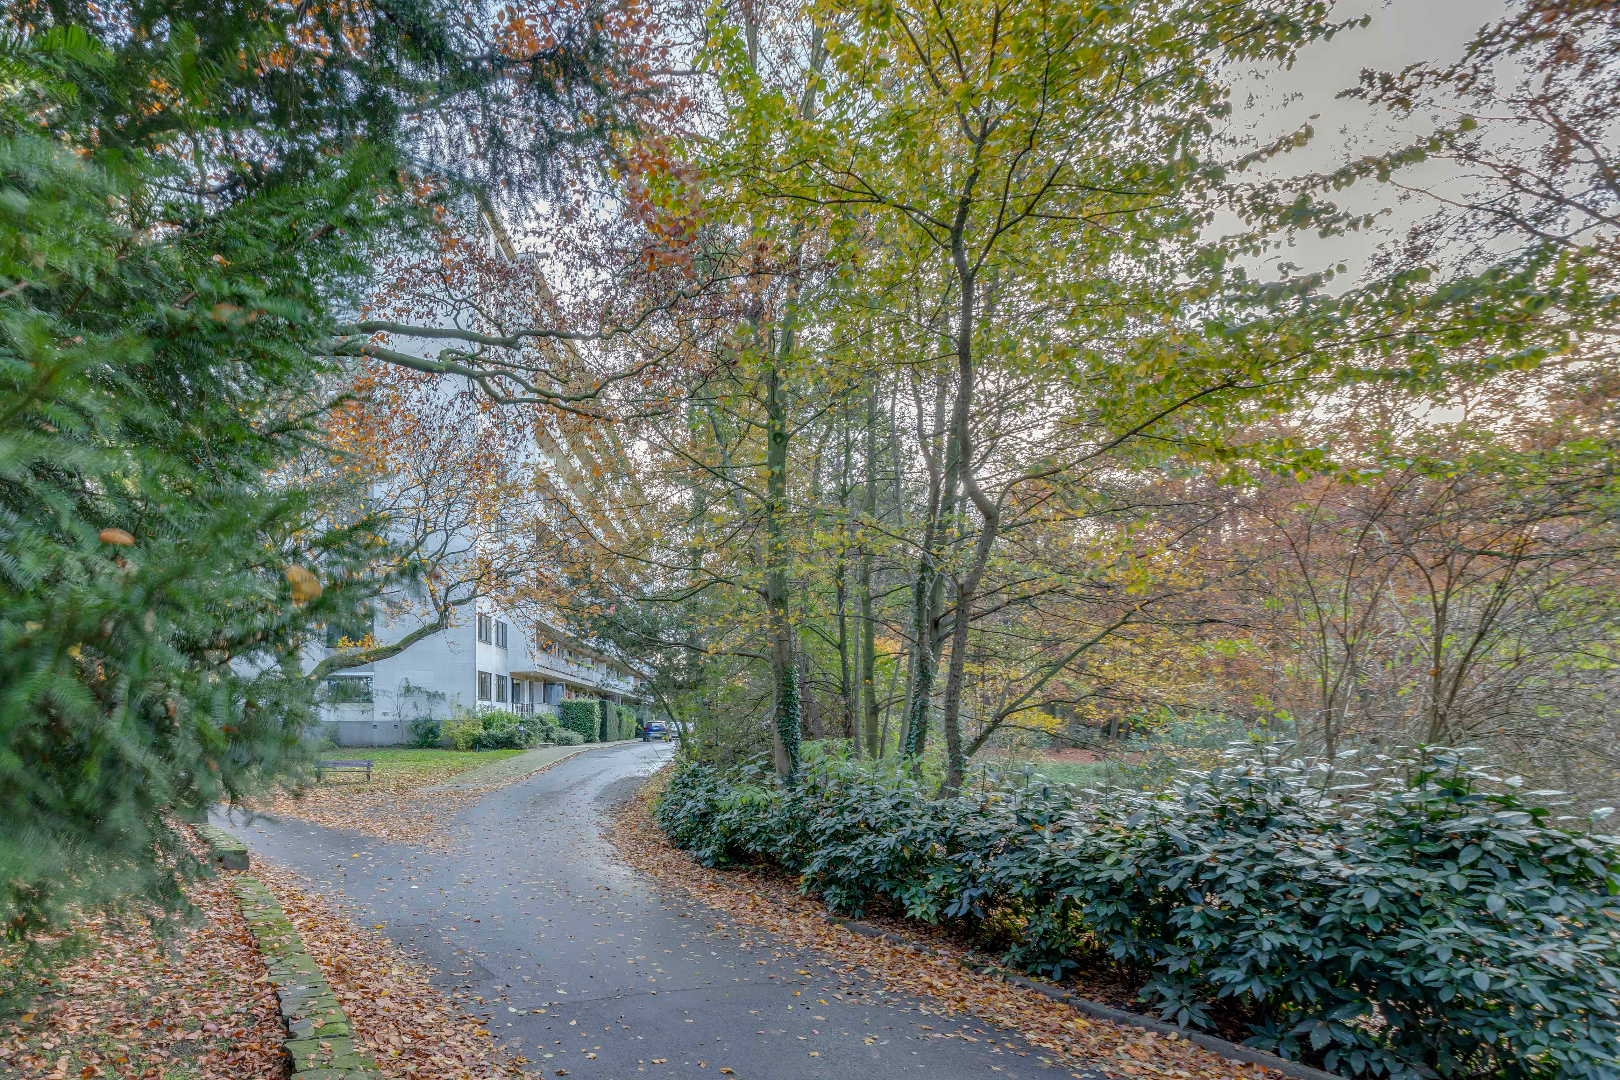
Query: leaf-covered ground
(770, 901)
(412, 1029)
(204, 1009)
(388, 806)
(127, 1008)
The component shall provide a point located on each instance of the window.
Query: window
(500, 688)
(483, 686)
(348, 689)
(500, 634)
(517, 691)
(484, 628)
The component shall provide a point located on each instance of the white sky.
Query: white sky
(1402, 32)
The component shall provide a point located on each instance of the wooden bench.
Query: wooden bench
(323, 767)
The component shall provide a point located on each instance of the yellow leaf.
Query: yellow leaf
(304, 586)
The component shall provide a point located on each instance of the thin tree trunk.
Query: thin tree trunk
(864, 584)
(989, 512)
(928, 592)
(784, 677)
(846, 689)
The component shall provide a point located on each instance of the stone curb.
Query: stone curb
(319, 1042)
(225, 849)
(1226, 1049)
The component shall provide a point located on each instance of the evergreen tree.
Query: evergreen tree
(191, 197)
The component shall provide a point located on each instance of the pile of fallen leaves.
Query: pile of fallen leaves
(394, 805)
(770, 901)
(128, 1007)
(388, 807)
(411, 1028)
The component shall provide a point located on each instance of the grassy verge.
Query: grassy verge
(395, 769)
(391, 805)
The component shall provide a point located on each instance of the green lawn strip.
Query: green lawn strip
(394, 768)
(500, 772)
(319, 1041)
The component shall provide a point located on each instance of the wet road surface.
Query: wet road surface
(574, 954)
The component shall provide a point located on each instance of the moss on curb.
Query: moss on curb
(320, 1042)
(223, 848)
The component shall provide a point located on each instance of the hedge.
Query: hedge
(1432, 924)
(581, 716)
(627, 721)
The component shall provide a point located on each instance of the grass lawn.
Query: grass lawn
(395, 769)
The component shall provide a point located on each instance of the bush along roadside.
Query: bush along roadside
(581, 716)
(1417, 919)
(319, 1043)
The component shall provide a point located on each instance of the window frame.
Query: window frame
(500, 688)
(485, 685)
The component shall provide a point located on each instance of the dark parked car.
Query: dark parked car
(655, 729)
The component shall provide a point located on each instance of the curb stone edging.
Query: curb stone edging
(319, 1042)
(223, 848)
(1226, 1049)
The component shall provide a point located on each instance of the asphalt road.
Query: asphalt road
(574, 954)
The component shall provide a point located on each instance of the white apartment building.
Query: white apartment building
(487, 661)
(490, 659)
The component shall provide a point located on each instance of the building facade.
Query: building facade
(488, 661)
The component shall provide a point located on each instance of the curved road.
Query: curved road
(575, 954)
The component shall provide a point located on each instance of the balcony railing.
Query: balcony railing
(556, 667)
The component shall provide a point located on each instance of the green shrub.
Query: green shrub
(627, 721)
(581, 716)
(565, 737)
(492, 729)
(1434, 924)
(424, 733)
(461, 728)
(502, 731)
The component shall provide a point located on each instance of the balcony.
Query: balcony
(553, 668)
(560, 670)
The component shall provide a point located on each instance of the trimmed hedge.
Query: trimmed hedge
(1434, 924)
(582, 716)
(627, 721)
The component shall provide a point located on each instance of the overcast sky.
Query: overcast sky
(1402, 32)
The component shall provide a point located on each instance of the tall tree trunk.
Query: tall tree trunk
(868, 679)
(784, 676)
(989, 512)
(928, 591)
(846, 688)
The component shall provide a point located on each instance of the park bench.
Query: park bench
(323, 767)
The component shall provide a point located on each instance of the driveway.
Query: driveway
(575, 955)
